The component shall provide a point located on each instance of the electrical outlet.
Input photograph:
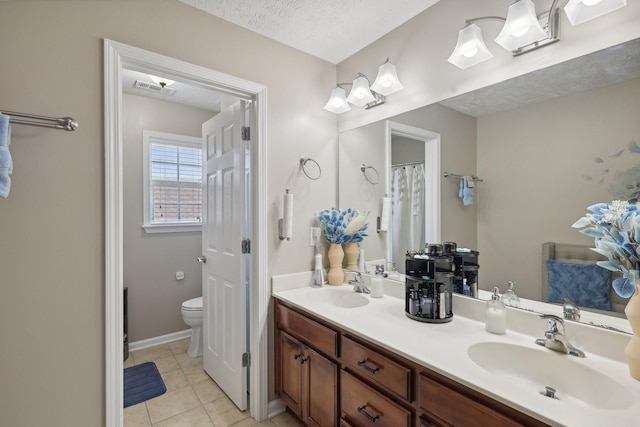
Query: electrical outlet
(314, 236)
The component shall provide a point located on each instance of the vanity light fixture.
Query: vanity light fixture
(470, 49)
(579, 11)
(522, 27)
(362, 93)
(524, 31)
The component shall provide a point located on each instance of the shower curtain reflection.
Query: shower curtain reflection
(407, 198)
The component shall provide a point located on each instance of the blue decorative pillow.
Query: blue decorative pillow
(586, 285)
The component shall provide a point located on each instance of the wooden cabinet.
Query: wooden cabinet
(449, 404)
(362, 406)
(330, 378)
(307, 380)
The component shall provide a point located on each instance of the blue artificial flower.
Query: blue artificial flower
(615, 228)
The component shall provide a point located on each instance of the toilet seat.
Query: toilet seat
(194, 304)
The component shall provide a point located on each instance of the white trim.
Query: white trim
(117, 55)
(172, 228)
(276, 407)
(162, 339)
(432, 176)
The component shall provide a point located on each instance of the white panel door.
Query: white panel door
(223, 278)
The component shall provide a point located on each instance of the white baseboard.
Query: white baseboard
(162, 339)
(276, 407)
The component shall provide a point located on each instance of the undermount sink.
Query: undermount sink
(343, 298)
(537, 368)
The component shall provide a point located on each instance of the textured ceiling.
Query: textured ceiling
(332, 30)
(605, 67)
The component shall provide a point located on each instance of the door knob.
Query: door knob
(202, 259)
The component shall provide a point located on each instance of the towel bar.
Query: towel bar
(65, 123)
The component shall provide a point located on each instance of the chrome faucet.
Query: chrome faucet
(358, 282)
(570, 310)
(554, 339)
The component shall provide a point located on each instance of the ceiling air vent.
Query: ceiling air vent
(154, 88)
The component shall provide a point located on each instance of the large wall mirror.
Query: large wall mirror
(546, 145)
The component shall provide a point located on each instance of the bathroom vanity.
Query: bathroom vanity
(343, 358)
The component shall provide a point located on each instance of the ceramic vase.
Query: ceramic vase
(351, 254)
(335, 275)
(632, 350)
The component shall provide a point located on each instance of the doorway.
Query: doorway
(117, 56)
(430, 165)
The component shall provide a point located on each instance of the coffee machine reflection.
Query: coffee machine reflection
(429, 284)
(465, 269)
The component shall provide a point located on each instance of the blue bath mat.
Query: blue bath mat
(142, 382)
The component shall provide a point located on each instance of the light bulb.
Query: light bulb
(469, 51)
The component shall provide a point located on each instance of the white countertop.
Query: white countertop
(443, 348)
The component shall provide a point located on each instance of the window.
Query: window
(172, 174)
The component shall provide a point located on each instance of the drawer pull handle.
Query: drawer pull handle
(366, 414)
(304, 360)
(363, 364)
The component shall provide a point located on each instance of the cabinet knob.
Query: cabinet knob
(364, 412)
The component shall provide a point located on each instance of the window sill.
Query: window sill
(172, 228)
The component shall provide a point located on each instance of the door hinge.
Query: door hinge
(246, 133)
(246, 246)
(246, 359)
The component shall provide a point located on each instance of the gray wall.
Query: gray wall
(151, 260)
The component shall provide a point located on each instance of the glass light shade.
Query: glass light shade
(579, 11)
(470, 49)
(360, 94)
(522, 27)
(160, 80)
(387, 81)
(337, 101)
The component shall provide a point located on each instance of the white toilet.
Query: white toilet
(192, 316)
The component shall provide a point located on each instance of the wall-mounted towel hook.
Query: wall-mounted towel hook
(370, 174)
(308, 169)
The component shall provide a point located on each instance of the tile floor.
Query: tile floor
(192, 399)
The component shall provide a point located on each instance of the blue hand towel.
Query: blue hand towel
(6, 163)
(466, 191)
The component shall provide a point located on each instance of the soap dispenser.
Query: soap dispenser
(509, 298)
(496, 314)
(377, 282)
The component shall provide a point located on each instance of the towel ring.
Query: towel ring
(305, 168)
(370, 174)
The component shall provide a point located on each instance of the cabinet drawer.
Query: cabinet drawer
(457, 409)
(310, 331)
(362, 406)
(372, 365)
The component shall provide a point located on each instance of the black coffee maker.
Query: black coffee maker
(429, 285)
(465, 269)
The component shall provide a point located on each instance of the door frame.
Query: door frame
(116, 56)
(432, 181)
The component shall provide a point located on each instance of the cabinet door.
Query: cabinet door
(291, 373)
(322, 402)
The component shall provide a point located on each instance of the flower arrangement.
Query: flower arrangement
(615, 227)
(344, 226)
